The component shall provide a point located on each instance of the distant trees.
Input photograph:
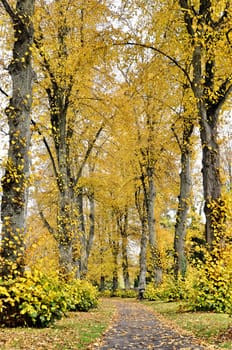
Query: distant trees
(199, 34)
(118, 94)
(66, 48)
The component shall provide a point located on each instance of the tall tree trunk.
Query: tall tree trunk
(58, 102)
(115, 252)
(122, 223)
(150, 204)
(16, 179)
(214, 205)
(86, 236)
(143, 257)
(180, 260)
(210, 95)
(125, 263)
(141, 208)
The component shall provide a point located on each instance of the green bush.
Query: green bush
(169, 290)
(106, 293)
(129, 293)
(33, 300)
(81, 295)
(120, 293)
(212, 290)
(125, 293)
(151, 293)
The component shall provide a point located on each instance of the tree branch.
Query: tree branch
(9, 10)
(46, 223)
(4, 92)
(170, 58)
(89, 149)
(176, 137)
(46, 146)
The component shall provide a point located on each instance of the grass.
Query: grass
(80, 329)
(75, 332)
(204, 325)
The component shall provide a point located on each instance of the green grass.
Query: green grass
(80, 329)
(75, 332)
(204, 325)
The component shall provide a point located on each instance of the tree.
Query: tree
(202, 44)
(180, 259)
(207, 26)
(68, 79)
(16, 178)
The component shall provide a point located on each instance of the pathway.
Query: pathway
(136, 327)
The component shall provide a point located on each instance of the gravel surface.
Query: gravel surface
(136, 327)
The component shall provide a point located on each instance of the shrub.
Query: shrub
(151, 293)
(213, 288)
(81, 295)
(106, 293)
(129, 293)
(169, 290)
(33, 300)
(125, 293)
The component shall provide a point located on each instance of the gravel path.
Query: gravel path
(136, 327)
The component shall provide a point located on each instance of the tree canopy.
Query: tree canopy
(117, 125)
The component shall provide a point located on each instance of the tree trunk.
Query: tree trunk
(180, 260)
(16, 179)
(142, 211)
(58, 103)
(143, 257)
(122, 223)
(102, 283)
(214, 206)
(150, 203)
(125, 264)
(210, 93)
(86, 237)
(115, 251)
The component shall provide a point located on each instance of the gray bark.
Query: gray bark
(122, 223)
(150, 204)
(16, 179)
(143, 257)
(86, 236)
(180, 260)
(141, 208)
(58, 102)
(210, 98)
(115, 252)
(148, 185)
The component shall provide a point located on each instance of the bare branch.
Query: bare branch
(47, 147)
(8, 9)
(4, 92)
(46, 223)
(87, 154)
(170, 58)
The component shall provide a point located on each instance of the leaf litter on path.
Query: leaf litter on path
(137, 327)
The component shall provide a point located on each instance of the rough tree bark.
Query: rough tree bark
(86, 236)
(150, 205)
(180, 260)
(16, 179)
(122, 223)
(205, 33)
(115, 252)
(141, 208)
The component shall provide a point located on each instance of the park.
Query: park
(115, 174)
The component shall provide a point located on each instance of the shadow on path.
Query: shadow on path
(136, 327)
